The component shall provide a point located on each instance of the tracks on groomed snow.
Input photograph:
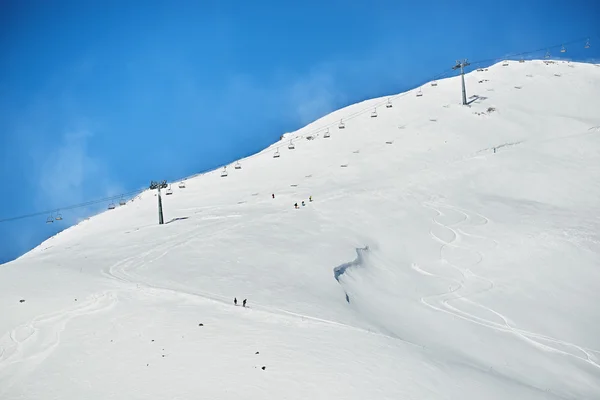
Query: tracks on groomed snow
(461, 259)
(27, 345)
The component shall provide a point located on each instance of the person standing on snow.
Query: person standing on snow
(273, 195)
(295, 205)
(235, 301)
(310, 199)
(303, 203)
(244, 303)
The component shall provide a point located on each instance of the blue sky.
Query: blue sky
(98, 98)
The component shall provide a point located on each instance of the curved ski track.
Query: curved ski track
(26, 346)
(454, 294)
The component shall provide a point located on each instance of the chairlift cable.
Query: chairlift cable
(325, 128)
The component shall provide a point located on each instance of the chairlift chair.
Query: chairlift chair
(341, 125)
(276, 154)
(238, 165)
(419, 93)
(122, 202)
(182, 185)
(521, 60)
(58, 217)
(326, 135)
(563, 49)
(547, 54)
(505, 64)
(291, 146)
(389, 104)
(111, 206)
(169, 191)
(49, 220)
(374, 113)
(224, 172)
(587, 44)
(434, 83)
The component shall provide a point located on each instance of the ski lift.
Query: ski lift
(111, 206)
(276, 155)
(374, 113)
(434, 83)
(58, 217)
(389, 104)
(341, 125)
(169, 191)
(182, 185)
(587, 44)
(327, 134)
(419, 93)
(122, 202)
(521, 60)
(238, 165)
(562, 49)
(547, 54)
(505, 64)
(50, 219)
(291, 146)
(224, 172)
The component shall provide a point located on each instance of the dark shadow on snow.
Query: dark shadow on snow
(341, 269)
(176, 219)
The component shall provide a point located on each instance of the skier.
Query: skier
(295, 205)
(235, 301)
(273, 195)
(310, 199)
(244, 303)
(303, 203)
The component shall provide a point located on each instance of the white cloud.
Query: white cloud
(314, 95)
(68, 174)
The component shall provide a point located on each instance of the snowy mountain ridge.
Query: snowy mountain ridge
(449, 252)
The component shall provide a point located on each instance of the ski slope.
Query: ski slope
(449, 252)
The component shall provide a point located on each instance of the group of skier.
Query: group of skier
(303, 203)
(310, 199)
(235, 302)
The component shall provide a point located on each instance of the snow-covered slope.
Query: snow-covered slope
(449, 252)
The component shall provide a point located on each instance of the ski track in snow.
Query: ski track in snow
(444, 299)
(26, 346)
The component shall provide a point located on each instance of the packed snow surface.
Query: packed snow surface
(448, 252)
